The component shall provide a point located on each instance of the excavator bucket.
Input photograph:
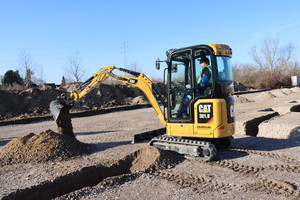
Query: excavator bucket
(56, 107)
(61, 114)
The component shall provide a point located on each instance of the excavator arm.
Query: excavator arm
(139, 80)
(91, 83)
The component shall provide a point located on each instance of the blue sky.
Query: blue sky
(53, 31)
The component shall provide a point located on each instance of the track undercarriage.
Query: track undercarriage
(191, 148)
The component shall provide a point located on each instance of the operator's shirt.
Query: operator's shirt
(204, 80)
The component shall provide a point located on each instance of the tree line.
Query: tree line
(30, 77)
(272, 66)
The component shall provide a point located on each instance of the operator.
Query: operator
(206, 79)
(204, 82)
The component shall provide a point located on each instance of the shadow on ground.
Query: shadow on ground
(256, 144)
(5, 141)
(102, 146)
(94, 133)
(265, 144)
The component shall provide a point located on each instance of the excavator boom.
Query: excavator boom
(60, 107)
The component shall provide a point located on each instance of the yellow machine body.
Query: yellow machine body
(210, 121)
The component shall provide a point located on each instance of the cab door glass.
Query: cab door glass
(180, 86)
(203, 84)
(224, 68)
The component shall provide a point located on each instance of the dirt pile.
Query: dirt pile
(150, 158)
(241, 99)
(239, 87)
(106, 96)
(45, 146)
(64, 122)
(26, 103)
(35, 101)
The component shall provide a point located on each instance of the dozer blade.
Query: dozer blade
(147, 136)
(61, 115)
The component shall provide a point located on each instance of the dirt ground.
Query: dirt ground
(262, 167)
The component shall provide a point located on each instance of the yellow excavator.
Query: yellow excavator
(196, 120)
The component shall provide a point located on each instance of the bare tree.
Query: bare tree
(245, 74)
(75, 69)
(134, 67)
(27, 67)
(270, 58)
(63, 82)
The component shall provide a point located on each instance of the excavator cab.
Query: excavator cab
(198, 115)
(184, 75)
(194, 111)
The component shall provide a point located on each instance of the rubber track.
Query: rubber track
(172, 140)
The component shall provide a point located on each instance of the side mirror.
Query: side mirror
(157, 63)
(174, 68)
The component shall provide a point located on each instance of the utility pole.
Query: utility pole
(124, 48)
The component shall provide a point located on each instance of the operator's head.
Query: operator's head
(204, 62)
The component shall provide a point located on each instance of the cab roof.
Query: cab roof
(218, 49)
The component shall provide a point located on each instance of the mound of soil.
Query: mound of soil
(264, 96)
(241, 99)
(150, 158)
(35, 101)
(46, 146)
(239, 87)
(26, 103)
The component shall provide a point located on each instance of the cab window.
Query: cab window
(180, 87)
(224, 68)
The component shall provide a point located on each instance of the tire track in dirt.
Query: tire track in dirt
(282, 158)
(285, 168)
(239, 168)
(197, 183)
(293, 166)
(273, 186)
(266, 185)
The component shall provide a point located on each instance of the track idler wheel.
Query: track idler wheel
(208, 153)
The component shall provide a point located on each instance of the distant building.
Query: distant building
(53, 85)
(295, 80)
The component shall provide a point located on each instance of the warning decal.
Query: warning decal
(205, 113)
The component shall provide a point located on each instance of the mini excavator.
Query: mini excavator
(208, 120)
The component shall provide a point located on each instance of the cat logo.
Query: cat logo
(205, 113)
(132, 81)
